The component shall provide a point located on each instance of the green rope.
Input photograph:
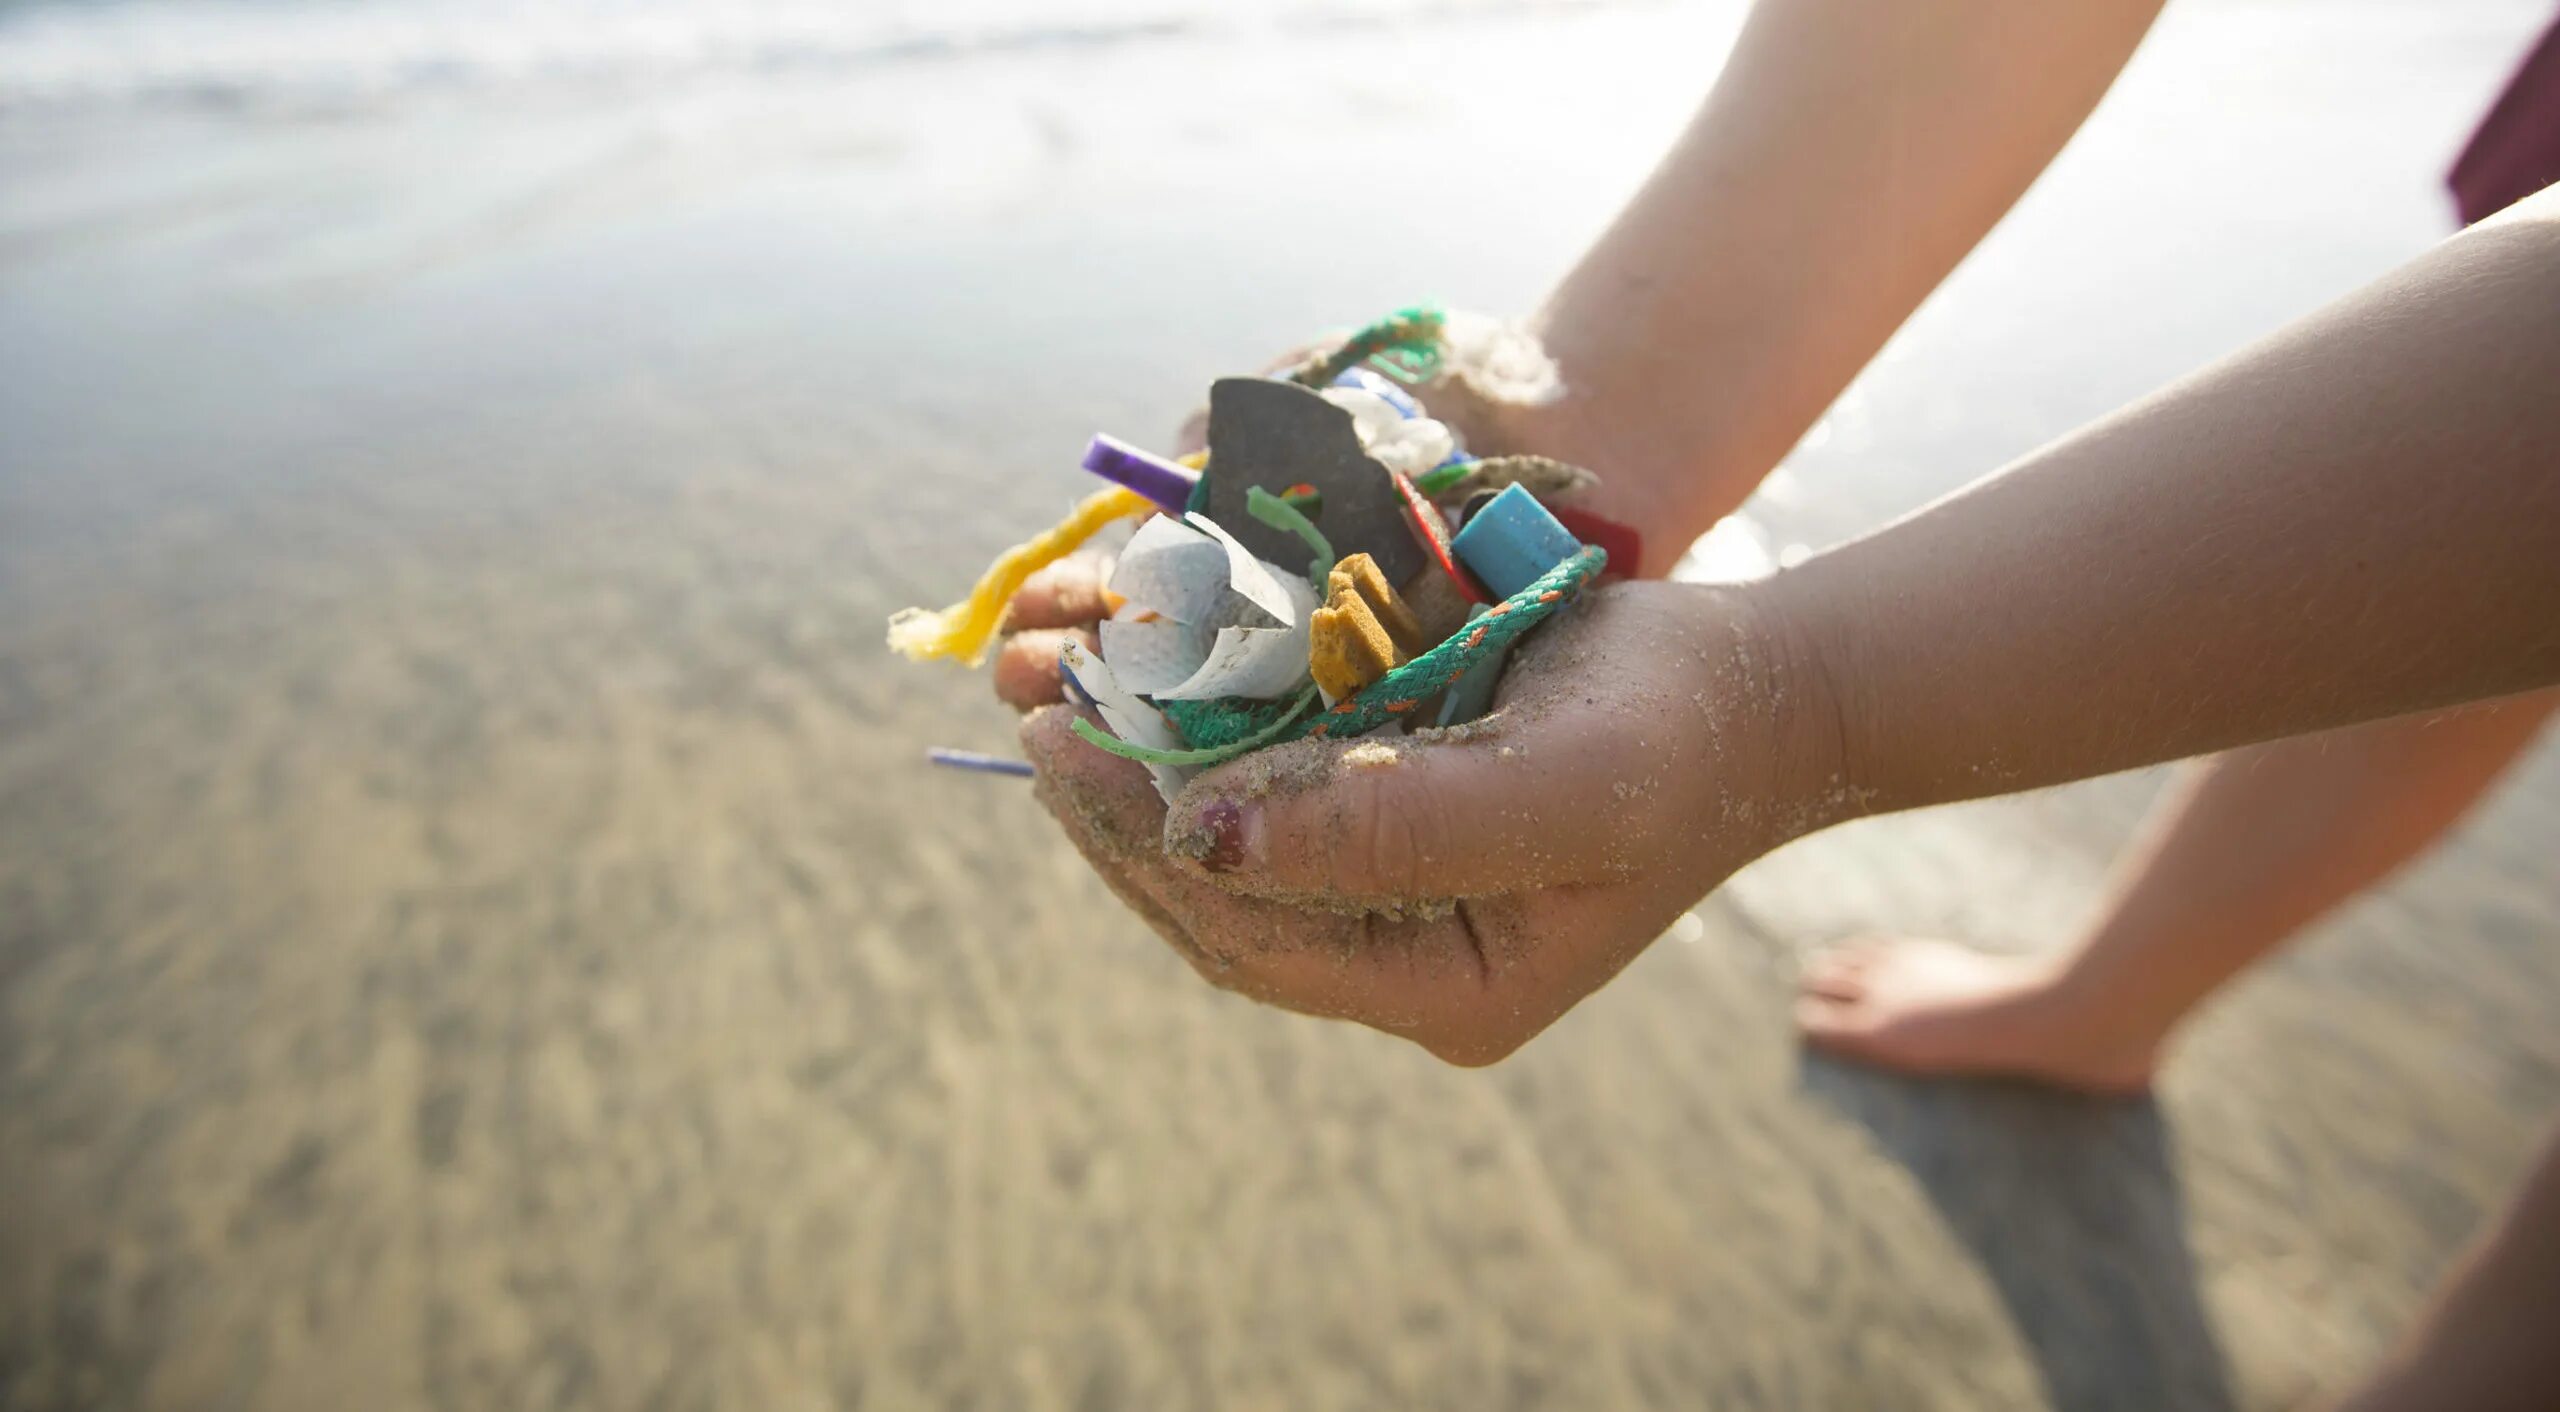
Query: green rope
(1221, 720)
(1105, 741)
(1406, 344)
(1403, 690)
(1279, 514)
(1417, 681)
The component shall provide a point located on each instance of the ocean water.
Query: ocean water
(476, 929)
(251, 51)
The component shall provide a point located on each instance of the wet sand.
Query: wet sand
(475, 931)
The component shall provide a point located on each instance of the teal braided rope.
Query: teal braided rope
(1407, 687)
(1224, 729)
(1204, 725)
(1112, 744)
(1408, 340)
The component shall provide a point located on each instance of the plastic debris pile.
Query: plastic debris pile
(1335, 563)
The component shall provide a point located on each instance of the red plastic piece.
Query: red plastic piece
(1624, 543)
(1433, 532)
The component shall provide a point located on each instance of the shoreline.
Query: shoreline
(475, 928)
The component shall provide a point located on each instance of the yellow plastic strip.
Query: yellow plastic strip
(963, 630)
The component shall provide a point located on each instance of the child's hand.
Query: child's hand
(1060, 603)
(1464, 889)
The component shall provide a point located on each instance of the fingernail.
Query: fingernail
(1226, 825)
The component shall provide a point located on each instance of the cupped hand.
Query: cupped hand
(1464, 888)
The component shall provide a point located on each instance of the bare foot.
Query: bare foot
(1931, 1007)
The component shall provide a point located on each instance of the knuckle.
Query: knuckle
(1394, 834)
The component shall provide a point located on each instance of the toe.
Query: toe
(1860, 952)
(1826, 1022)
(1839, 972)
(1833, 976)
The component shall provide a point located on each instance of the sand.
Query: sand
(476, 930)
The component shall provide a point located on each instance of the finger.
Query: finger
(1065, 594)
(1474, 983)
(1110, 809)
(1026, 673)
(1311, 961)
(1418, 978)
(1585, 772)
(1116, 875)
(1106, 814)
(1098, 796)
(1522, 800)
(1469, 984)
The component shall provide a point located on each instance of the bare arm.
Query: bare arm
(1849, 156)
(2357, 518)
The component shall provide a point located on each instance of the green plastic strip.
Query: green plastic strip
(1105, 741)
(1281, 515)
(1435, 482)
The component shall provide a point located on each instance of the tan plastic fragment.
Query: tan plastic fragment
(1362, 632)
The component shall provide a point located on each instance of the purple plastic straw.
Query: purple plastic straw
(1150, 475)
(973, 760)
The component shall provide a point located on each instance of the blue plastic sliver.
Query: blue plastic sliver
(1386, 388)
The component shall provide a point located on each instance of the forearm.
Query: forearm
(2357, 518)
(1850, 154)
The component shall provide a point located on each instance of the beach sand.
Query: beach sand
(476, 930)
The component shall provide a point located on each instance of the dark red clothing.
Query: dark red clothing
(2516, 152)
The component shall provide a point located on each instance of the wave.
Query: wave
(243, 52)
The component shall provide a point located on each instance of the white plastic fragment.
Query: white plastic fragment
(1171, 569)
(1409, 445)
(1128, 717)
(1204, 618)
(1265, 586)
(1153, 653)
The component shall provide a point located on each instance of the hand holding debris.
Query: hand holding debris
(1465, 887)
(1317, 609)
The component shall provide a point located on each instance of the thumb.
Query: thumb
(1518, 801)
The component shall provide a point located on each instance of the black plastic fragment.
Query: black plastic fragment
(1277, 434)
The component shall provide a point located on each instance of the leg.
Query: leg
(2485, 1341)
(2246, 850)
